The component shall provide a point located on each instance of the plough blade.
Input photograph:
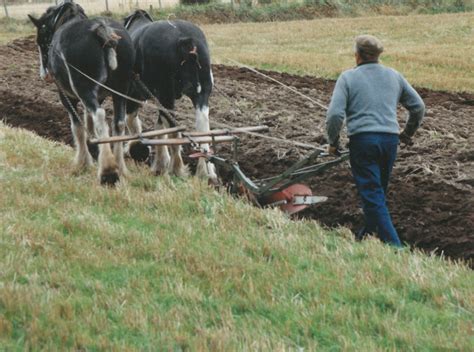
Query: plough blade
(293, 199)
(308, 200)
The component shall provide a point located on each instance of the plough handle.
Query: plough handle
(155, 133)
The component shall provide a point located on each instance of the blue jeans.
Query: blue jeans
(372, 156)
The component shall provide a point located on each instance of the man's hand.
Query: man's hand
(405, 139)
(332, 150)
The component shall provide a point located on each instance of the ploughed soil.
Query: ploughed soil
(431, 194)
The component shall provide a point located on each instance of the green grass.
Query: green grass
(12, 29)
(163, 263)
(434, 56)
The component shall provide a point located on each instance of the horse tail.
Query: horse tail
(111, 58)
(109, 40)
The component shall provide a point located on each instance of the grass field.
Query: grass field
(173, 265)
(11, 29)
(434, 51)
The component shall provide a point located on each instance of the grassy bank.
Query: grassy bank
(434, 56)
(163, 262)
(276, 10)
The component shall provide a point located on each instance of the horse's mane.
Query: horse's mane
(62, 13)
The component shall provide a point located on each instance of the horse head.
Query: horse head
(48, 24)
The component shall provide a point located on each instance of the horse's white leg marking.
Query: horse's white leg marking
(83, 158)
(202, 124)
(161, 160)
(118, 149)
(107, 164)
(89, 122)
(42, 68)
(134, 124)
(177, 166)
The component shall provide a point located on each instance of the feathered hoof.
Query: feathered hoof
(81, 164)
(109, 177)
(124, 172)
(160, 168)
(214, 182)
(180, 170)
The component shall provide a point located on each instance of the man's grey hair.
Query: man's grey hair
(368, 47)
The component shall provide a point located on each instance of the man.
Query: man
(367, 97)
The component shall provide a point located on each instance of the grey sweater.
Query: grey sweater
(367, 96)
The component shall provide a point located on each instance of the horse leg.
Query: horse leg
(89, 126)
(118, 130)
(83, 159)
(204, 169)
(134, 125)
(177, 166)
(161, 160)
(108, 172)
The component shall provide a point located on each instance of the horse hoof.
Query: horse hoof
(109, 178)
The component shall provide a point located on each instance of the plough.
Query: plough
(283, 190)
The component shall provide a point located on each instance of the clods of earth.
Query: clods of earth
(431, 195)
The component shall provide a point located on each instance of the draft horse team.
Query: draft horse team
(90, 59)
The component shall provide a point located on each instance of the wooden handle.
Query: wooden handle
(225, 131)
(183, 141)
(154, 133)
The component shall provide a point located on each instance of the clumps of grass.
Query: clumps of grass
(14, 28)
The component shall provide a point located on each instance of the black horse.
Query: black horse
(71, 45)
(172, 59)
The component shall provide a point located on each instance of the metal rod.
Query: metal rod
(298, 176)
(289, 171)
(237, 172)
